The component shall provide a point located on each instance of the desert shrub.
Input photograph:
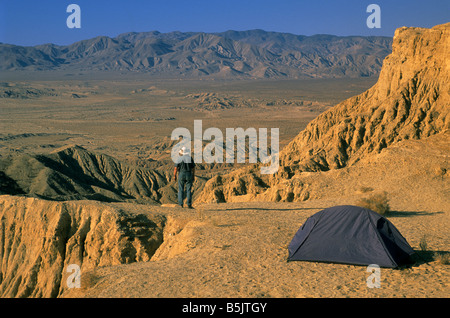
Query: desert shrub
(377, 202)
(443, 258)
(423, 244)
(365, 189)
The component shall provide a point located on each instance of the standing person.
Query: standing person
(185, 168)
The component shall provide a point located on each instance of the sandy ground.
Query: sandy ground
(240, 250)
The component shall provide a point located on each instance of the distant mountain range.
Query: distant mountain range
(231, 54)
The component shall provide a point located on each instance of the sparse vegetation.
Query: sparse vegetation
(423, 243)
(365, 189)
(443, 258)
(377, 202)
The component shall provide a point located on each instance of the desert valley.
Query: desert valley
(86, 175)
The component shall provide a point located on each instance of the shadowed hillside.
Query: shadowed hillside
(74, 173)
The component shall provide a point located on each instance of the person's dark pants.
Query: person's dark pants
(185, 183)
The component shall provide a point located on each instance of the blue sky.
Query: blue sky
(32, 22)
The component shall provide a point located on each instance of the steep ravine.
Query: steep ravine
(39, 239)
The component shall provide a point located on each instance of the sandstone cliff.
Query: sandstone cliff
(409, 101)
(40, 239)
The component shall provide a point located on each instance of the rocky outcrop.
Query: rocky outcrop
(414, 171)
(39, 239)
(409, 101)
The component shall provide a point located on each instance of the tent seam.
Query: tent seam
(314, 225)
(381, 240)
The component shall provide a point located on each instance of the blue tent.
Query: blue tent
(350, 235)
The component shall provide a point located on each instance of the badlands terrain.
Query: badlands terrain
(86, 179)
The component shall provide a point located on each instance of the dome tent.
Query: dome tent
(350, 235)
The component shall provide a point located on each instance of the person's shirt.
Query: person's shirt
(185, 163)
